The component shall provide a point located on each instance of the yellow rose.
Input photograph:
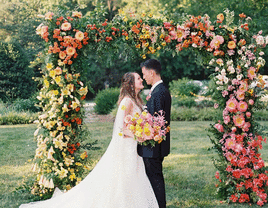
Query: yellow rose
(52, 73)
(49, 66)
(46, 83)
(58, 79)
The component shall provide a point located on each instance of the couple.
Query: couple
(122, 178)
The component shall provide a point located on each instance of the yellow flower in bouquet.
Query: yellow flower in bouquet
(147, 129)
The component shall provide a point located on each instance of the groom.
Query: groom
(158, 99)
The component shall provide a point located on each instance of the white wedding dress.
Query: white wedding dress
(117, 181)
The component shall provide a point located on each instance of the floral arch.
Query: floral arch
(235, 55)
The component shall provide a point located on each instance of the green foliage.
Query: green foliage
(26, 105)
(184, 101)
(194, 114)
(11, 114)
(16, 77)
(184, 87)
(106, 100)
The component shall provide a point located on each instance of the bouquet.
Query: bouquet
(147, 128)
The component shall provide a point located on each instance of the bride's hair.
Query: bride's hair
(128, 89)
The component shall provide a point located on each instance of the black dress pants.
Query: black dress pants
(154, 171)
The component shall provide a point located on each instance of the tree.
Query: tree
(15, 76)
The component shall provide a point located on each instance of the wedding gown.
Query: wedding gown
(117, 181)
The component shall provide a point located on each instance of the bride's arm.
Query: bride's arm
(128, 111)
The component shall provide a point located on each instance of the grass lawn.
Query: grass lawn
(189, 172)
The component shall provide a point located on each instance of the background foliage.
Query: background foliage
(19, 19)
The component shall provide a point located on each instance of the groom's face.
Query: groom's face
(147, 75)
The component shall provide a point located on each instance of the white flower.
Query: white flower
(260, 40)
(231, 69)
(230, 62)
(50, 154)
(266, 39)
(211, 61)
(239, 76)
(225, 80)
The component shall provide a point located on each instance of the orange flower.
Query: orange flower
(77, 14)
(62, 55)
(49, 15)
(135, 29)
(79, 35)
(66, 26)
(242, 42)
(220, 17)
(242, 15)
(70, 51)
(231, 45)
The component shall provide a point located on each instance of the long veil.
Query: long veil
(117, 181)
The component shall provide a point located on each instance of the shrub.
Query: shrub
(184, 87)
(183, 101)
(26, 105)
(16, 77)
(106, 100)
(194, 114)
(13, 117)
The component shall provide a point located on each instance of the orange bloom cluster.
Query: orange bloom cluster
(66, 46)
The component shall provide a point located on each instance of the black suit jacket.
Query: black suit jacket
(160, 100)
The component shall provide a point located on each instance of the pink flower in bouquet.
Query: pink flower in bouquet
(216, 105)
(216, 42)
(251, 73)
(157, 138)
(242, 106)
(231, 105)
(128, 119)
(240, 95)
(239, 120)
(66, 26)
(251, 102)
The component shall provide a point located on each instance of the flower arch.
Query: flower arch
(235, 56)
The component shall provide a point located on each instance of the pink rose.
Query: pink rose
(251, 102)
(219, 127)
(248, 114)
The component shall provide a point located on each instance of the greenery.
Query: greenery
(195, 114)
(106, 100)
(17, 113)
(19, 19)
(16, 77)
(188, 170)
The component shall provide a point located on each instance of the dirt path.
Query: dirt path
(91, 116)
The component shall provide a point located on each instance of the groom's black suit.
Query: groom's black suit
(153, 156)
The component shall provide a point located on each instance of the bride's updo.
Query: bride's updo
(128, 89)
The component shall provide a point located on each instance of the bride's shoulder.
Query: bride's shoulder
(127, 101)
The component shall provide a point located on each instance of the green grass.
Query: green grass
(189, 172)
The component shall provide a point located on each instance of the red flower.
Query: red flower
(234, 198)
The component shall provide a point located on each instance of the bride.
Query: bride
(119, 179)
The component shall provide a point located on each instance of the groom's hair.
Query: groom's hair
(152, 64)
